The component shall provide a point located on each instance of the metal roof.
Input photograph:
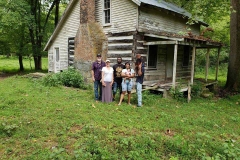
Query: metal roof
(168, 6)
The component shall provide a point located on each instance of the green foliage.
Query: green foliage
(196, 89)
(72, 78)
(52, 80)
(8, 129)
(69, 78)
(176, 93)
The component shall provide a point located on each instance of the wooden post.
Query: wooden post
(207, 65)
(193, 63)
(174, 65)
(189, 92)
(216, 78)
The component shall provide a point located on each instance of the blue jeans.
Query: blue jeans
(98, 90)
(139, 93)
(126, 85)
(117, 86)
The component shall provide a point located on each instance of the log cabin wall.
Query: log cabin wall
(184, 71)
(120, 45)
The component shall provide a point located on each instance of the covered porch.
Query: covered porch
(174, 73)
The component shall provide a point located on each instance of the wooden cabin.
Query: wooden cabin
(156, 29)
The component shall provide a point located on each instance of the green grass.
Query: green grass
(11, 64)
(40, 122)
(222, 74)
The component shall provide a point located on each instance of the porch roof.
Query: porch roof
(187, 39)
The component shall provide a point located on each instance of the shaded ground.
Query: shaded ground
(33, 75)
(6, 75)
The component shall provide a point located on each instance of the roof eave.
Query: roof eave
(68, 9)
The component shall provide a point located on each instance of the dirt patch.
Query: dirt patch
(5, 75)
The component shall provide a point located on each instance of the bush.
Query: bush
(51, 80)
(176, 93)
(196, 89)
(72, 78)
(69, 78)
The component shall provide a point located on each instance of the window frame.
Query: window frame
(104, 13)
(57, 54)
(152, 67)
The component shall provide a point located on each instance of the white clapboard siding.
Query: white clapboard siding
(98, 11)
(123, 15)
(68, 29)
(156, 20)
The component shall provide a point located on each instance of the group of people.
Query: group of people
(107, 80)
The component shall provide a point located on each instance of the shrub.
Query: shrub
(196, 90)
(72, 78)
(51, 80)
(69, 78)
(176, 93)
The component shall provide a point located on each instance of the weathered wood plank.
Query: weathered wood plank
(160, 42)
(119, 55)
(120, 38)
(164, 37)
(193, 63)
(120, 52)
(119, 47)
(122, 34)
(174, 65)
(120, 44)
(120, 41)
(140, 51)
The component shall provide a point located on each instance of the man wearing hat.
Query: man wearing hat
(96, 76)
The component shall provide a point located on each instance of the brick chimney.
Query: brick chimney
(90, 39)
(87, 11)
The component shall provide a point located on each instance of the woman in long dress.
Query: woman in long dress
(107, 81)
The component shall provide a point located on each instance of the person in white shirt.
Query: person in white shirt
(127, 83)
(107, 82)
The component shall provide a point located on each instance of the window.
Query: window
(186, 54)
(106, 11)
(57, 54)
(152, 56)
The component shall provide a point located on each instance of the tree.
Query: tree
(32, 15)
(233, 77)
(13, 29)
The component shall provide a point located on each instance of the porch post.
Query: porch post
(216, 78)
(207, 65)
(193, 63)
(174, 65)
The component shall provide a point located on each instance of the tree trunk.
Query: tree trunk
(57, 12)
(20, 60)
(233, 77)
